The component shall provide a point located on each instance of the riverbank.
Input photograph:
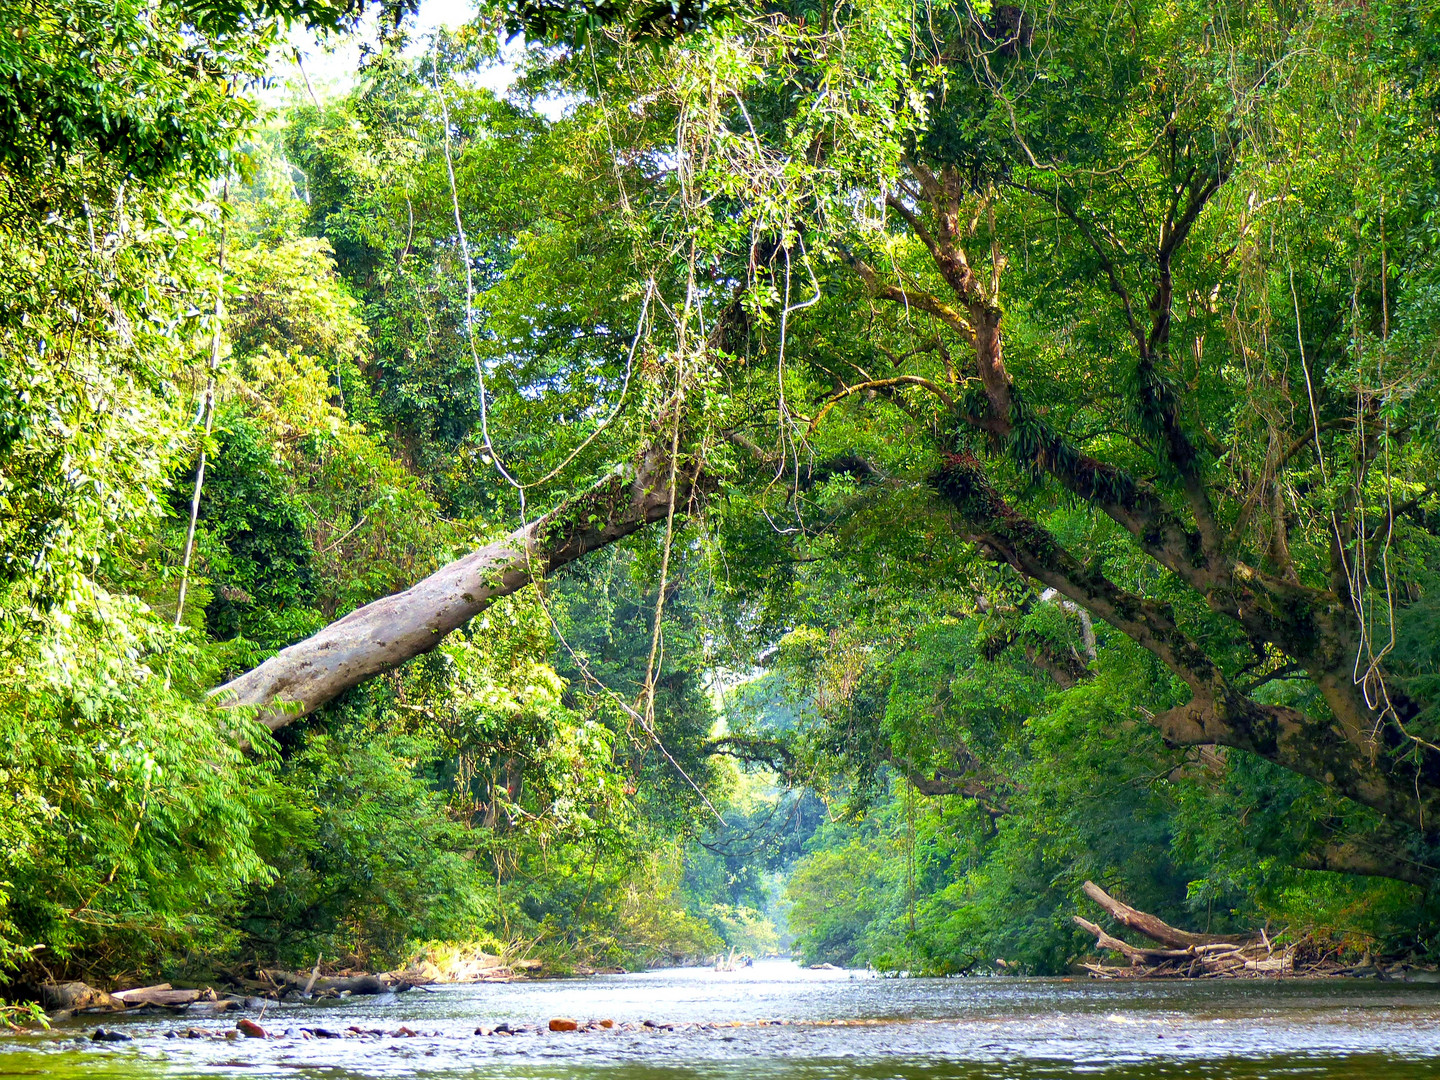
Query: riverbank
(229, 990)
(1175, 955)
(779, 1021)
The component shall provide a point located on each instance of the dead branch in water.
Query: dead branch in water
(1189, 955)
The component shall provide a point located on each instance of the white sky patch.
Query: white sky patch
(330, 63)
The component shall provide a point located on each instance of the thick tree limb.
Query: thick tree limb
(1354, 857)
(1194, 555)
(1133, 953)
(880, 384)
(774, 754)
(1338, 752)
(1137, 508)
(940, 781)
(912, 298)
(384, 634)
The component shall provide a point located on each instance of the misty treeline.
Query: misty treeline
(871, 466)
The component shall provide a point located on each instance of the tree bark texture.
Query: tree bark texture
(386, 633)
(1154, 928)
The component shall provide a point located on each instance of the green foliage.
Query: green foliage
(837, 896)
(148, 88)
(366, 858)
(551, 20)
(126, 799)
(253, 546)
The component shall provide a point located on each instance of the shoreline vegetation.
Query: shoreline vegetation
(1180, 954)
(232, 990)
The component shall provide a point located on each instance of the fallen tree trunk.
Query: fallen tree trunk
(69, 997)
(1133, 953)
(384, 634)
(141, 991)
(1153, 928)
(1189, 955)
(331, 984)
(163, 995)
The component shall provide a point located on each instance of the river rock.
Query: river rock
(102, 1035)
(250, 1029)
(563, 1023)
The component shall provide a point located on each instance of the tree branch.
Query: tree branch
(880, 384)
(921, 301)
(1334, 752)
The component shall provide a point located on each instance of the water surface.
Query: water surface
(776, 1021)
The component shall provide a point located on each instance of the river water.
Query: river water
(776, 1021)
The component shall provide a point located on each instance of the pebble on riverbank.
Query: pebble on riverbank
(251, 1029)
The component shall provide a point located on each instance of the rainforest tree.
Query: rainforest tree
(1094, 270)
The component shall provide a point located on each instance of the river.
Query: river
(776, 1020)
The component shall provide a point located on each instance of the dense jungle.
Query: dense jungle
(815, 476)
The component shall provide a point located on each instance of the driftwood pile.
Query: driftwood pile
(1185, 955)
(248, 989)
(66, 999)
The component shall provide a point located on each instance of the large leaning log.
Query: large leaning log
(384, 634)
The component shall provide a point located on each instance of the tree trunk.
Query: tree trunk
(1153, 928)
(72, 997)
(1360, 750)
(353, 984)
(164, 996)
(384, 634)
